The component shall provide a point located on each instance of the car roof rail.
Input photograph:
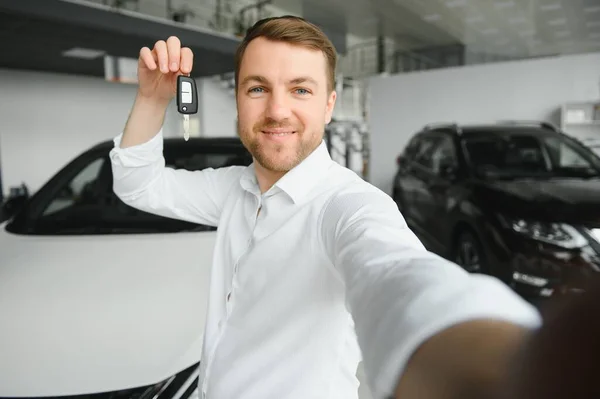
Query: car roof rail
(444, 125)
(544, 124)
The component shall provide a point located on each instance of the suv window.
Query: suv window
(443, 155)
(529, 154)
(564, 155)
(412, 148)
(423, 155)
(84, 202)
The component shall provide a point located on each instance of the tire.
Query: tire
(468, 253)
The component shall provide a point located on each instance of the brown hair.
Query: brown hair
(292, 30)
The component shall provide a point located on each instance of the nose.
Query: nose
(278, 107)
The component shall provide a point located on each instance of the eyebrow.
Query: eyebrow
(263, 80)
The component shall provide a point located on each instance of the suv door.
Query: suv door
(404, 182)
(420, 173)
(441, 188)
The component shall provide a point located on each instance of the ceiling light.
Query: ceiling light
(504, 4)
(563, 33)
(432, 17)
(591, 9)
(83, 53)
(593, 24)
(550, 7)
(557, 22)
(595, 35)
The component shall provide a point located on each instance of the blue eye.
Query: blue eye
(254, 89)
(303, 90)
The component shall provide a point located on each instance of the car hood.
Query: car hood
(86, 314)
(560, 200)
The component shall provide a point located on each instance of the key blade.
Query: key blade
(186, 127)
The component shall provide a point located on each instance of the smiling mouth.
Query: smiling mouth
(278, 133)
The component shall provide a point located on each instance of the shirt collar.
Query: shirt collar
(299, 181)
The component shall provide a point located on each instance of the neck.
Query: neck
(266, 178)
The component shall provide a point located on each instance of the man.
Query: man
(314, 268)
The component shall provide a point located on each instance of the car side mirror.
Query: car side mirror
(16, 200)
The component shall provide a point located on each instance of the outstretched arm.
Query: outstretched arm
(426, 328)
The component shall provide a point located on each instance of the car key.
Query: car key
(187, 101)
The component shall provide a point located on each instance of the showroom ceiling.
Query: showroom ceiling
(30, 39)
(510, 27)
(517, 27)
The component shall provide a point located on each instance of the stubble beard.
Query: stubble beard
(269, 156)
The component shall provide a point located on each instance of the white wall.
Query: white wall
(48, 119)
(217, 112)
(400, 105)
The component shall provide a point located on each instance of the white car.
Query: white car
(99, 298)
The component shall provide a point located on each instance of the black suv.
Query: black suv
(520, 201)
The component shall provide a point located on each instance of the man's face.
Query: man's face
(283, 102)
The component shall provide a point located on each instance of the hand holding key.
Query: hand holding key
(159, 68)
(158, 72)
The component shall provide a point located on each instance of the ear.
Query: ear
(330, 106)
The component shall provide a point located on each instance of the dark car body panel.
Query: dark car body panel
(441, 203)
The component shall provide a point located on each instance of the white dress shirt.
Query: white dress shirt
(326, 274)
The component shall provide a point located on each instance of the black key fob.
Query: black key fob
(187, 95)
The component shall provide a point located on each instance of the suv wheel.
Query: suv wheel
(468, 253)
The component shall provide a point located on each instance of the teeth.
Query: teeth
(279, 134)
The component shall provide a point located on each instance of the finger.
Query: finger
(162, 55)
(147, 58)
(187, 60)
(174, 49)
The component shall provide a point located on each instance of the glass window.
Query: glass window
(443, 155)
(86, 204)
(412, 148)
(74, 191)
(564, 155)
(528, 155)
(426, 150)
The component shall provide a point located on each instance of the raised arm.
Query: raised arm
(426, 328)
(140, 177)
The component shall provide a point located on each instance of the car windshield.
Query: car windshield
(80, 199)
(529, 155)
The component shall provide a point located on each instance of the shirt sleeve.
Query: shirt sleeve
(141, 180)
(400, 294)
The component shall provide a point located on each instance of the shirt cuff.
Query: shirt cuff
(486, 298)
(137, 155)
